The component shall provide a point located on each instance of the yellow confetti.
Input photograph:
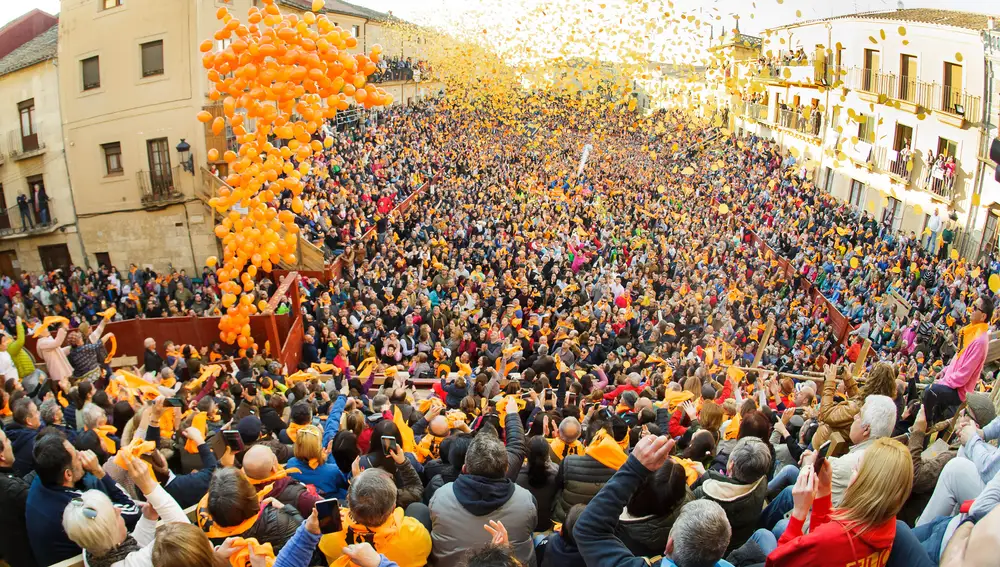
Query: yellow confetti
(902, 30)
(723, 209)
(994, 283)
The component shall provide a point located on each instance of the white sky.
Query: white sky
(768, 13)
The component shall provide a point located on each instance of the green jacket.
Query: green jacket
(22, 360)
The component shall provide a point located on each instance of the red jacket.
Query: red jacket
(610, 396)
(831, 544)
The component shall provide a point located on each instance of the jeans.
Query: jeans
(765, 540)
(931, 244)
(785, 477)
(26, 220)
(44, 215)
(959, 481)
(776, 509)
(931, 535)
(937, 398)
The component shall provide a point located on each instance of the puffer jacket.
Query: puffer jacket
(580, 478)
(13, 529)
(648, 535)
(273, 526)
(836, 416)
(290, 492)
(743, 503)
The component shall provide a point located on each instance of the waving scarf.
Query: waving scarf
(103, 433)
(199, 422)
(280, 473)
(242, 547)
(605, 450)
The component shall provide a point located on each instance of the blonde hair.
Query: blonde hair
(693, 384)
(91, 522)
(881, 380)
(307, 444)
(882, 486)
(182, 545)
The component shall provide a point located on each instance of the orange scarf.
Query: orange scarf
(293, 431)
(199, 422)
(241, 557)
(107, 443)
(137, 448)
(215, 531)
(562, 450)
(62, 401)
(279, 474)
(605, 450)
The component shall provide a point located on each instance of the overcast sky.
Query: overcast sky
(767, 13)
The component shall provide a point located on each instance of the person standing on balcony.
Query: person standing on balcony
(934, 226)
(40, 203)
(22, 207)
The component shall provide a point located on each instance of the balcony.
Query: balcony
(895, 164)
(23, 147)
(158, 187)
(758, 112)
(808, 123)
(931, 96)
(13, 223)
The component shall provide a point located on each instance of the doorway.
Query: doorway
(4, 215)
(9, 264)
(160, 177)
(55, 257)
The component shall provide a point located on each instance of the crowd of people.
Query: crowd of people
(603, 339)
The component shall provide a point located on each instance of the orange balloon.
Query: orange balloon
(204, 116)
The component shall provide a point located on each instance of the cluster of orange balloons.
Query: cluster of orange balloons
(279, 78)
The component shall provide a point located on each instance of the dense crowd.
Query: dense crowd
(598, 337)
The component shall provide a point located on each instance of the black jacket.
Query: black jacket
(579, 479)
(742, 502)
(14, 548)
(648, 536)
(559, 553)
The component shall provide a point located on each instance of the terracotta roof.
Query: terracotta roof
(340, 7)
(40, 48)
(950, 18)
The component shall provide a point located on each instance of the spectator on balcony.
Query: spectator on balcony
(22, 207)
(40, 203)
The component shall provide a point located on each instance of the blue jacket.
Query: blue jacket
(595, 530)
(188, 489)
(329, 481)
(22, 440)
(45, 511)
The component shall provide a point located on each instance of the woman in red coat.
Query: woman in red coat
(861, 530)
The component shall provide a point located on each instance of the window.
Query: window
(356, 31)
(947, 147)
(871, 67)
(152, 58)
(112, 158)
(91, 67)
(907, 77)
(103, 259)
(866, 128)
(828, 181)
(29, 134)
(223, 43)
(952, 91)
(892, 214)
(108, 4)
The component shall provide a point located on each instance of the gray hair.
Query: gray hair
(634, 378)
(879, 414)
(47, 411)
(567, 424)
(372, 497)
(629, 398)
(148, 343)
(92, 415)
(379, 403)
(701, 534)
(750, 460)
(487, 456)
(543, 350)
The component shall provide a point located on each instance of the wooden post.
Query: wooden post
(768, 331)
(859, 366)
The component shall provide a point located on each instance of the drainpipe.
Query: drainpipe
(72, 195)
(970, 220)
(826, 111)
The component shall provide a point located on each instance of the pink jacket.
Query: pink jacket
(54, 354)
(963, 373)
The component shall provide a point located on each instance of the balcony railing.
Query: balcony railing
(390, 75)
(758, 112)
(798, 121)
(158, 186)
(23, 147)
(935, 179)
(12, 222)
(933, 96)
(895, 163)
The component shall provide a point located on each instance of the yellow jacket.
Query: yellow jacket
(401, 539)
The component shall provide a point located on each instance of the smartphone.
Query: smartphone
(389, 445)
(233, 440)
(173, 402)
(821, 456)
(328, 512)
(572, 398)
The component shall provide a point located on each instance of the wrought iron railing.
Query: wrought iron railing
(159, 186)
(12, 221)
(18, 145)
(933, 96)
(804, 122)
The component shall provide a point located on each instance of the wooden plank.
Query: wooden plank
(280, 293)
(768, 331)
(859, 365)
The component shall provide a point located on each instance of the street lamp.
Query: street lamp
(187, 160)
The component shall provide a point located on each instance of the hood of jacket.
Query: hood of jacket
(20, 435)
(481, 496)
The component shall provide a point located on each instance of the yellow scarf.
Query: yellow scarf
(398, 539)
(605, 450)
(691, 473)
(62, 401)
(561, 450)
(673, 399)
(293, 430)
(107, 443)
(409, 442)
(733, 429)
(429, 448)
(502, 404)
(970, 333)
(241, 557)
(137, 448)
